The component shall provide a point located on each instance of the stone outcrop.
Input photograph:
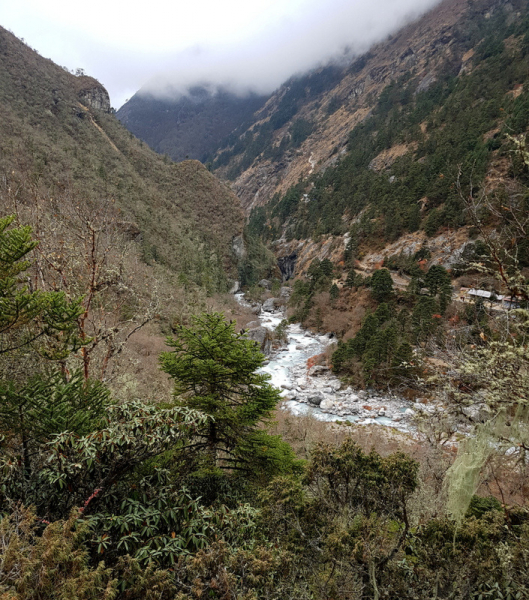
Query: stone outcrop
(262, 336)
(92, 94)
(271, 304)
(287, 265)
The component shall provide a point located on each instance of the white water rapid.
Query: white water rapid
(317, 391)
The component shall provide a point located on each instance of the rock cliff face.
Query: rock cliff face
(93, 94)
(287, 265)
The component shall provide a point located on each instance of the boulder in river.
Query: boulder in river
(270, 304)
(316, 398)
(262, 336)
(318, 371)
(327, 405)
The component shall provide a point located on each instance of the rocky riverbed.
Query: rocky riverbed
(316, 390)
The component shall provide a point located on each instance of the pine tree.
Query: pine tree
(36, 403)
(44, 320)
(215, 371)
(381, 285)
(439, 285)
(352, 279)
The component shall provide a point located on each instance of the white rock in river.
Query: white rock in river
(287, 386)
(270, 304)
(318, 370)
(409, 411)
(327, 405)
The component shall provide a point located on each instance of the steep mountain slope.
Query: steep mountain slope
(60, 138)
(191, 126)
(417, 145)
(305, 125)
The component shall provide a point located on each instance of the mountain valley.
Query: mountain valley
(270, 346)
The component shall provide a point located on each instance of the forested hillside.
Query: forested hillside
(402, 165)
(304, 128)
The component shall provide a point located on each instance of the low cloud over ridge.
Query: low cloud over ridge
(319, 34)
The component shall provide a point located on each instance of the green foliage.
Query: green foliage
(280, 332)
(44, 407)
(439, 285)
(257, 263)
(354, 279)
(215, 372)
(380, 348)
(348, 518)
(320, 273)
(301, 129)
(425, 318)
(44, 320)
(381, 285)
(479, 506)
(156, 522)
(364, 483)
(66, 471)
(54, 565)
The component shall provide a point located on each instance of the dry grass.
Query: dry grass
(505, 478)
(233, 311)
(303, 433)
(138, 374)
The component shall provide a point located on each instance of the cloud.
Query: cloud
(319, 33)
(171, 45)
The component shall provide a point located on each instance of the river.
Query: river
(317, 391)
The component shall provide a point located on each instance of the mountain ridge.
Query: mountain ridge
(60, 134)
(191, 126)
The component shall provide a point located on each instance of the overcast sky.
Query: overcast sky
(167, 45)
